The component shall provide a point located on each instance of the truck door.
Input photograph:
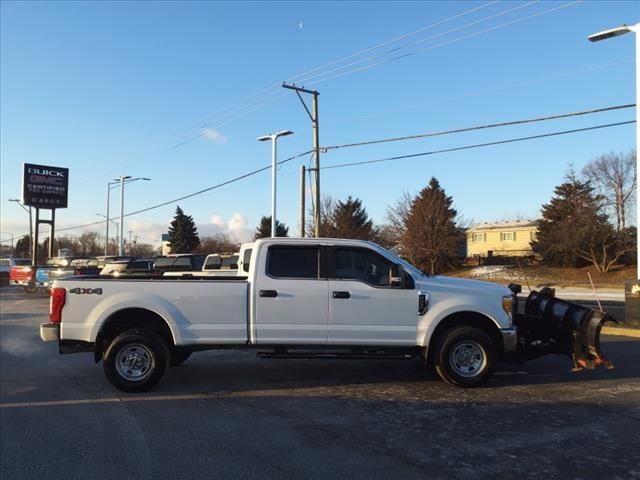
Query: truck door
(364, 309)
(291, 299)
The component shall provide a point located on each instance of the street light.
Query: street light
(28, 210)
(274, 140)
(616, 32)
(107, 239)
(110, 186)
(122, 180)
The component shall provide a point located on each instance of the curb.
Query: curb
(626, 332)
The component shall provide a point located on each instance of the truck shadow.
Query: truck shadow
(243, 371)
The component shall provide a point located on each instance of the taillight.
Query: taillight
(58, 297)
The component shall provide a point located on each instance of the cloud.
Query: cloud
(235, 228)
(213, 135)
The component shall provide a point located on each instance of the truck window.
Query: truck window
(293, 262)
(246, 258)
(213, 263)
(364, 265)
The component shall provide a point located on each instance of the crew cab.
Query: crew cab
(326, 297)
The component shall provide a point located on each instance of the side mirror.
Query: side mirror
(397, 276)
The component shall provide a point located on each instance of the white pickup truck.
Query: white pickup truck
(299, 297)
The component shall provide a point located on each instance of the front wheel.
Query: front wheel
(465, 356)
(136, 360)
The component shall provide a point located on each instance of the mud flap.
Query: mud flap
(551, 325)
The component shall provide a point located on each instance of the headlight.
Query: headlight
(507, 305)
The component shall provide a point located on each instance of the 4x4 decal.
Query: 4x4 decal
(86, 291)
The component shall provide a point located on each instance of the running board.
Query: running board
(337, 355)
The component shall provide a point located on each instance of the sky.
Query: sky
(179, 92)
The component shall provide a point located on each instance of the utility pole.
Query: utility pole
(302, 197)
(316, 148)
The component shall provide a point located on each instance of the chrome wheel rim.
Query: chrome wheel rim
(134, 362)
(467, 359)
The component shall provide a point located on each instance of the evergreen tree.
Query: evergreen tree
(350, 220)
(430, 240)
(574, 231)
(183, 235)
(264, 229)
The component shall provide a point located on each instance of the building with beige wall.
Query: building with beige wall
(510, 239)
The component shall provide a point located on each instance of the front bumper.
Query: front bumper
(50, 332)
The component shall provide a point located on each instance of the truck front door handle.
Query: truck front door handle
(268, 293)
(341, 295)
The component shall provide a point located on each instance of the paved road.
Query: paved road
(231, 415)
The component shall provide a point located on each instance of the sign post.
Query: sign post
(44, 187)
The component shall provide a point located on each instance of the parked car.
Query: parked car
(187, 262)
(6, 264)
(215, 265)
(22, 276)
(63, 267)
(132, 267)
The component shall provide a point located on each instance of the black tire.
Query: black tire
(178, 356)
(465, 356)
(30, 288)
(136, 360)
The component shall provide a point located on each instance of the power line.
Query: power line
(401, 47)
(481, 127)
(464, 37)
(209, 119)
(479, 145)
(214, 187)
(497, 89)
(281, 162)
(393, 40)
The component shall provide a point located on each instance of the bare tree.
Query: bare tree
(87, 244)
(218, 243)
(327, 213)
(396, 221)
(614, 177)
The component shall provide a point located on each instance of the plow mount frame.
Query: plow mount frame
(549, 325)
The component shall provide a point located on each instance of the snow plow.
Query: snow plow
(548, 325)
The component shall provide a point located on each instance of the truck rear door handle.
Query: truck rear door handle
(341, 295)
(268, 293)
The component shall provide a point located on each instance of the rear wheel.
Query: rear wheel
(136, 360)
(465, 356)
(30, 288)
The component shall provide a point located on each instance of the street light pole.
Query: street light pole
(274, 140)
(616, 32)
(123, 180)
(115, 223)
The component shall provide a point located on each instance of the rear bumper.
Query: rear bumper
(50, 332)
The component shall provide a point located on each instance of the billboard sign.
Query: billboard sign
(45, 187)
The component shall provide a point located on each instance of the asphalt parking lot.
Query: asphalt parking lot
(225, 415)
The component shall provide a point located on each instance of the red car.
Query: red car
(22, 275)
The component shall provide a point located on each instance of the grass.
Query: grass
(538, 275)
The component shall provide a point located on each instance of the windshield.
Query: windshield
(406, 265)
